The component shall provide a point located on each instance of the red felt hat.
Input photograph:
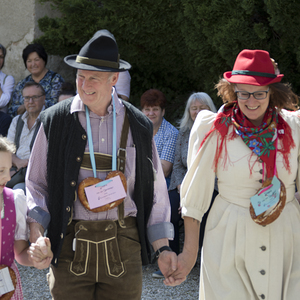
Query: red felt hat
(253, 67)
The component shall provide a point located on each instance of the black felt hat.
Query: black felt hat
(100, 53)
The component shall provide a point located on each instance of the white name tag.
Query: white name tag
(105, 192)
(267, 197)
(6, 284)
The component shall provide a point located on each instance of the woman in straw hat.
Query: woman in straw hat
(252, 238)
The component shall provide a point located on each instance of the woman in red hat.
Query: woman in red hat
(252, 238)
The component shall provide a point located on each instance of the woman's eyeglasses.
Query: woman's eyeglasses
(260, 95)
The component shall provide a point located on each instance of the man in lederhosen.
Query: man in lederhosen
(99, 246)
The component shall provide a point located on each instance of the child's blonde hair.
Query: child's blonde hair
(6, 145)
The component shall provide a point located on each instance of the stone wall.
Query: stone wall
(18, 28)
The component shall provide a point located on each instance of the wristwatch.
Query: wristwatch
(159, 251)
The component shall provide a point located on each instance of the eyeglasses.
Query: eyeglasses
(34, 98)
(259, 95)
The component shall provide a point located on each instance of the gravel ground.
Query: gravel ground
(35, 285)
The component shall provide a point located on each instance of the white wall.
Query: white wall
(18, 28)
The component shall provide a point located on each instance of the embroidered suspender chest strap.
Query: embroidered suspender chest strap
(104, 161)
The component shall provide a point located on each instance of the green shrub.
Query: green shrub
(180, 46)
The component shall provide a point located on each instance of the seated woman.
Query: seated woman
(7, 83)
(153, 103)
(35, 60)
(195, 103)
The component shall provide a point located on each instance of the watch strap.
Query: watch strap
(159, 251)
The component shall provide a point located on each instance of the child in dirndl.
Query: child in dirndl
(14, 231)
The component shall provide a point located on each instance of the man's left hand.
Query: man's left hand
(167, 263)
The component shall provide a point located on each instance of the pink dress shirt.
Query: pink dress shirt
(36, 183)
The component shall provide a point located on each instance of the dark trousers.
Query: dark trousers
(176, 217)
(106, 264)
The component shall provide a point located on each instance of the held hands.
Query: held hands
(186, 260)
(167, 262)
(175, 269)
(184, 266)
(40, 253)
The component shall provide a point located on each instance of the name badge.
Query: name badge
(6, 284)
(266, 197)
(105, 192)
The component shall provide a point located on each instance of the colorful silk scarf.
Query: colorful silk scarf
(260, 139)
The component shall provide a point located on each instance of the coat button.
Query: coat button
(260, 160)
(263, 248)
(263, 272)
(262, 296)
(83, 137)
(61, 235)
(55, 260)
(261, 171)
(78, 159)
(68, 209)
(260, 180)
(73, 183)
